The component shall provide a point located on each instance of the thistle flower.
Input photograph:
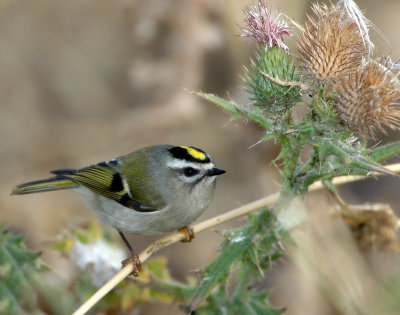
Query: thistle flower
(266, 28)
(331, 46)
(369, 99)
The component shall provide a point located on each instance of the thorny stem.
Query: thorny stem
(205, 225)
(292, 146)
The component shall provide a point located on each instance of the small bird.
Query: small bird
(153, 190)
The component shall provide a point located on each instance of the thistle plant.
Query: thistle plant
(353, 95)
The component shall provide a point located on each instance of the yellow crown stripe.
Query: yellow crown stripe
(195, 153)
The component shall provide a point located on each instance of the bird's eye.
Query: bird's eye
(190, 171)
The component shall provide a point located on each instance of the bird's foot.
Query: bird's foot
(188, 233)
(135, 261)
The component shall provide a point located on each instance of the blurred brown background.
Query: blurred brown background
(86, 81)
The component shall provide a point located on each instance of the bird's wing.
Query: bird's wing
(105, 179)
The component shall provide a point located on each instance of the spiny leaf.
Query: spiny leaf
(17, 267)
(217, 303)
(227, 105)
(217, 272)
(249, 302)
(349, 156)
(239, 111)
(255, 303)
(328, 184)
(384, 152)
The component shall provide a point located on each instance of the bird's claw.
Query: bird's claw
(188, 233)
(135, 261)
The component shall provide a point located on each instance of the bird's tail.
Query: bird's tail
(53, 183)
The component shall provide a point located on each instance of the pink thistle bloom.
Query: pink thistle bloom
(265, 27)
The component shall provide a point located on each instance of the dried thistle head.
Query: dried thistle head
(330, 46)
(387, 62)
(265, 27)
(368, 99)
(374, 226)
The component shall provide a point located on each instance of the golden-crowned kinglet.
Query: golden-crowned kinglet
(152, 190)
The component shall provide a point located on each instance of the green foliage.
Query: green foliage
(23, 289)
(237, 111)
(155, 285)
(252, 249)
(18, 267)
(217, 272)
(250, 302)
(384, 152)
(22, 284)
(316, 147)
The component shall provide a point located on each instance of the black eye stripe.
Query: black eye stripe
(190, 171)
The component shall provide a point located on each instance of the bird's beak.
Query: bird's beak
(215, 171)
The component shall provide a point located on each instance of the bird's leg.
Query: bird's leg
(188, 232)
(137, 265)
